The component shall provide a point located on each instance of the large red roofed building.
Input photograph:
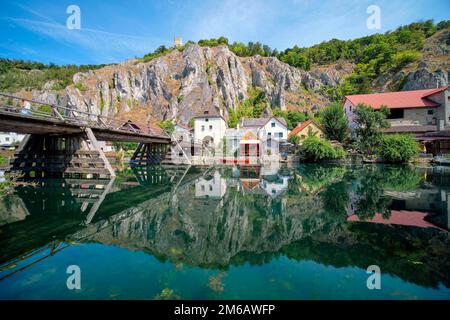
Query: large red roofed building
(416, 111)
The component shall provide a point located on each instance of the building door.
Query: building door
(247, 150)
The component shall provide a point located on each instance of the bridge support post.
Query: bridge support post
(76, 155)
(149, 153)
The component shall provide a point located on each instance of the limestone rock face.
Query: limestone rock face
(425, 79)
(181, 84)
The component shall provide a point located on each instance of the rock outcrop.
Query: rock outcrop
(181, 84)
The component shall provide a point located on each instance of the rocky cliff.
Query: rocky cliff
(182, 83)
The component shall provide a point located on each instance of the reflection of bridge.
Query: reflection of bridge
(72, 205)
(63, 141)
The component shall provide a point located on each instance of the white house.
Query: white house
(274, 128)
(8, 139)
(209, 128)
(213, 186)
(271, 131)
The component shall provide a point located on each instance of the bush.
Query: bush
(398, 148)
(316, 149)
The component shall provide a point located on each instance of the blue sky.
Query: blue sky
(115, 30)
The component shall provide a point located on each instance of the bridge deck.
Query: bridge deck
(57, 120)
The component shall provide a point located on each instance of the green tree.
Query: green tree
(369, 125)
(334, 122)
(294, 139)
(398, 148)
(167, 125)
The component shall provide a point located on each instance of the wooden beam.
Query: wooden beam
(94, 143)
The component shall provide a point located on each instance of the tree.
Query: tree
(335, 123)
(167, 125)
(294, 139)
(369, 123)
(398, 148)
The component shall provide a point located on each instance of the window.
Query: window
(303, 136)
(206, 120)
(273, 124)
(210, 187)
(210, 127)
(203, 188)
(280, 134)
(269, 134)
(203, 128)
(6, 138)
(396, 114)
(350, 108)
(430, 112)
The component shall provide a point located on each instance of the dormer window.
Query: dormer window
(206, 112)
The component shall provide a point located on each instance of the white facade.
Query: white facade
(274, 129)
(209, 128)
(8, 139)
(275, 187)
(214, 187)
(106, 146)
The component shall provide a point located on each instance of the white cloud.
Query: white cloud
(106, 46)
(236, 19)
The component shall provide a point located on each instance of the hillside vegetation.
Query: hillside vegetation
(242, 80)
(16, 75)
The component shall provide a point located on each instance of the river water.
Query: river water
(307, 232)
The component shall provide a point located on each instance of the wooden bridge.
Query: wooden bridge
(63, 141)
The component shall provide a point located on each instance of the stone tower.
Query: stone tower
(177, 42)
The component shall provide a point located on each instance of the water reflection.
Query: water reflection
(395, 217)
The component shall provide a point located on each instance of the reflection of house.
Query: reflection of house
(250, 178)
(307, 128)
(212, 186)
(275, 185)
(415, 112)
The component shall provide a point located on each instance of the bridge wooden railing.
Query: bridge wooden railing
(48, 111)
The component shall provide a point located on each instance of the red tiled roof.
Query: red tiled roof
(144, 128)
(437, 90)
(302, 126)
(401, 99)
(404, 218)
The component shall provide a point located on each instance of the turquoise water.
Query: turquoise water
(307, 232)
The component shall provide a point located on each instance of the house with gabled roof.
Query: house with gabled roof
(307, 128)
(416, 111)
(268, 128)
